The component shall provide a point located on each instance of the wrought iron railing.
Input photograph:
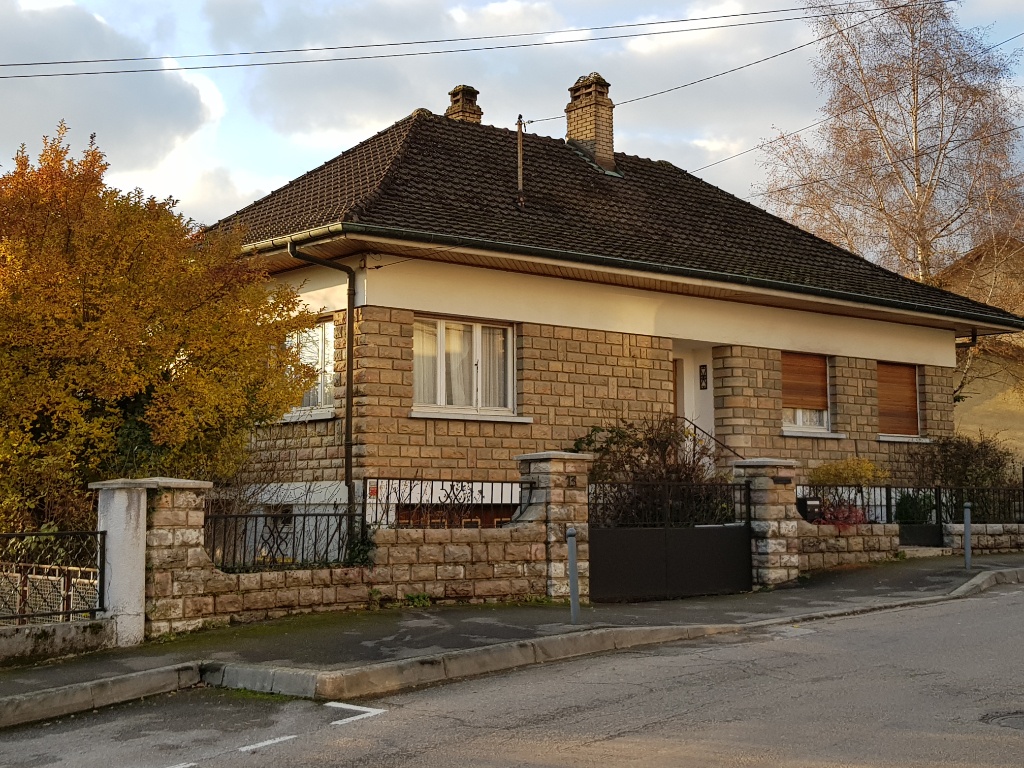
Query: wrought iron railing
(671, 505)
(282, 540)
(703, 434)
(419, 503)
(853, 504)
(48, 577)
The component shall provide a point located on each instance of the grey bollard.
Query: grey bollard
(967, 535)
(574, 578)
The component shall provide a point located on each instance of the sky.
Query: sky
(217, 139)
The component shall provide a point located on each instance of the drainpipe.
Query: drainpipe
(350, 311)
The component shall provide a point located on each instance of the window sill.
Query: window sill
(903, 439)
(822, 435)
(509, 418)
(308, 414)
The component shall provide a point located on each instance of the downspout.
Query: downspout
(350, 312)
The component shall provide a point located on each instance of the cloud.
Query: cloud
(138, 119)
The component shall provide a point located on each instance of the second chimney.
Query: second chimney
(588, 117)
(464, 106)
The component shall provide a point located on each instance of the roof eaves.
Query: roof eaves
(999, 318)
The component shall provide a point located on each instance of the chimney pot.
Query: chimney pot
(463, 106)
(588, 118)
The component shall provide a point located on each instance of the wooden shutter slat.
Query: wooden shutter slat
(897, 399)
(804, 381)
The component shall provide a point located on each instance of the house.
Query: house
(509, 291)
(990, 399)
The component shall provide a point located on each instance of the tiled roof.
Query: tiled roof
(430, 174)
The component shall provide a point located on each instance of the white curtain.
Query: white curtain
(424, 365)
(493, 367)
(458, 364)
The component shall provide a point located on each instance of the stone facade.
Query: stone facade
(567, 381)
(986, 538)
(827, 546)
(748, 407)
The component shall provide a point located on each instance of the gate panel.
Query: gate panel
(627, 564)
(708, 560)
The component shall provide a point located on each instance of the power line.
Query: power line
(421, 42)
(889, 163)
(825, 119)
(760, 61)
(407, 54)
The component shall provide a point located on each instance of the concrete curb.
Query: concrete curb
(79, 697)
(392, 676)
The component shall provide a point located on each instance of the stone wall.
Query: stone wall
(748, 408)
(986, 539)
(184, 591)
(827, 546)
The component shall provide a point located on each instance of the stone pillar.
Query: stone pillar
(556, 484)
(776, 542)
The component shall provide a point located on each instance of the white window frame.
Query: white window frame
(440, 407)
(323, 405)
(799, 414)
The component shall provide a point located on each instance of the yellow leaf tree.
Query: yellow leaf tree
(132, 342)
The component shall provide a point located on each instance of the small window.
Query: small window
(316, 348)
(897, 399)
(462, 366)
(805, 391)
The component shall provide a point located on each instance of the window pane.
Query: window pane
(327, 374)
(493, 367)
(458, 364)
(424, 364)
(810, 418)
(316, 348)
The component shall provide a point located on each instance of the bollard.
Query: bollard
(967, 535)
(574, 578)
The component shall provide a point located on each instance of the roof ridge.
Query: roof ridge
(373, 194)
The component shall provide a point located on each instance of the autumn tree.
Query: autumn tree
(131, 341)
(916, 161)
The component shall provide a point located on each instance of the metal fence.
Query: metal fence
(51, 577)
(286, 538)
(908, 505)
(667, 505)
(418, 503)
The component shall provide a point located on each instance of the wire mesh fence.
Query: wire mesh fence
(48, 577)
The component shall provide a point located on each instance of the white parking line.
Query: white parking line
(185, 765)
(364, 712)
(266, 743)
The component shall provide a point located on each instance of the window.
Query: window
(897, 399)
(316, 348)
(805, 391)
(461, 366)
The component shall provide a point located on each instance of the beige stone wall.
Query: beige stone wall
(986, 539)
(568, 379)
(826, 546)
(185, 592)
(748, 407)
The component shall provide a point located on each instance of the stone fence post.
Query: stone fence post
(137, 524)
(555, 483)
(774, 526)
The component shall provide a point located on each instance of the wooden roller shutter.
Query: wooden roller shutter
(897, 399)
(804, 381)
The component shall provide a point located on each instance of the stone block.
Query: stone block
(403, 554)
(457, 553)
(286, 598)
(197, 606)
(377, 575)
(310, 595)
(410, 536)
(437, 536)
(163, 609)
(456, 589)
(249, 581)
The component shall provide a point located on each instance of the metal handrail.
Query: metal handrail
(715, 440)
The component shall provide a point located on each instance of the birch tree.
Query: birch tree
(917, 159)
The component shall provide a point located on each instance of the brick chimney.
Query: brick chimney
(588, 117)
(464, 106)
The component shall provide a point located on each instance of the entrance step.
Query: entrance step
(911, 553)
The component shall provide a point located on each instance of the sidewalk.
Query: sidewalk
(372, 652)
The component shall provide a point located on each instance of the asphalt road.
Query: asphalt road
(940, 685)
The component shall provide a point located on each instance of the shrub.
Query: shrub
(960, 461)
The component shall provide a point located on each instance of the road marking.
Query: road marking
(364, 712)
(185, 765)
(266, 743)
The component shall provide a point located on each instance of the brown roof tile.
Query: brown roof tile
(431, 175)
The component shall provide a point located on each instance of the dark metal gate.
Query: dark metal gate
(657, 541)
